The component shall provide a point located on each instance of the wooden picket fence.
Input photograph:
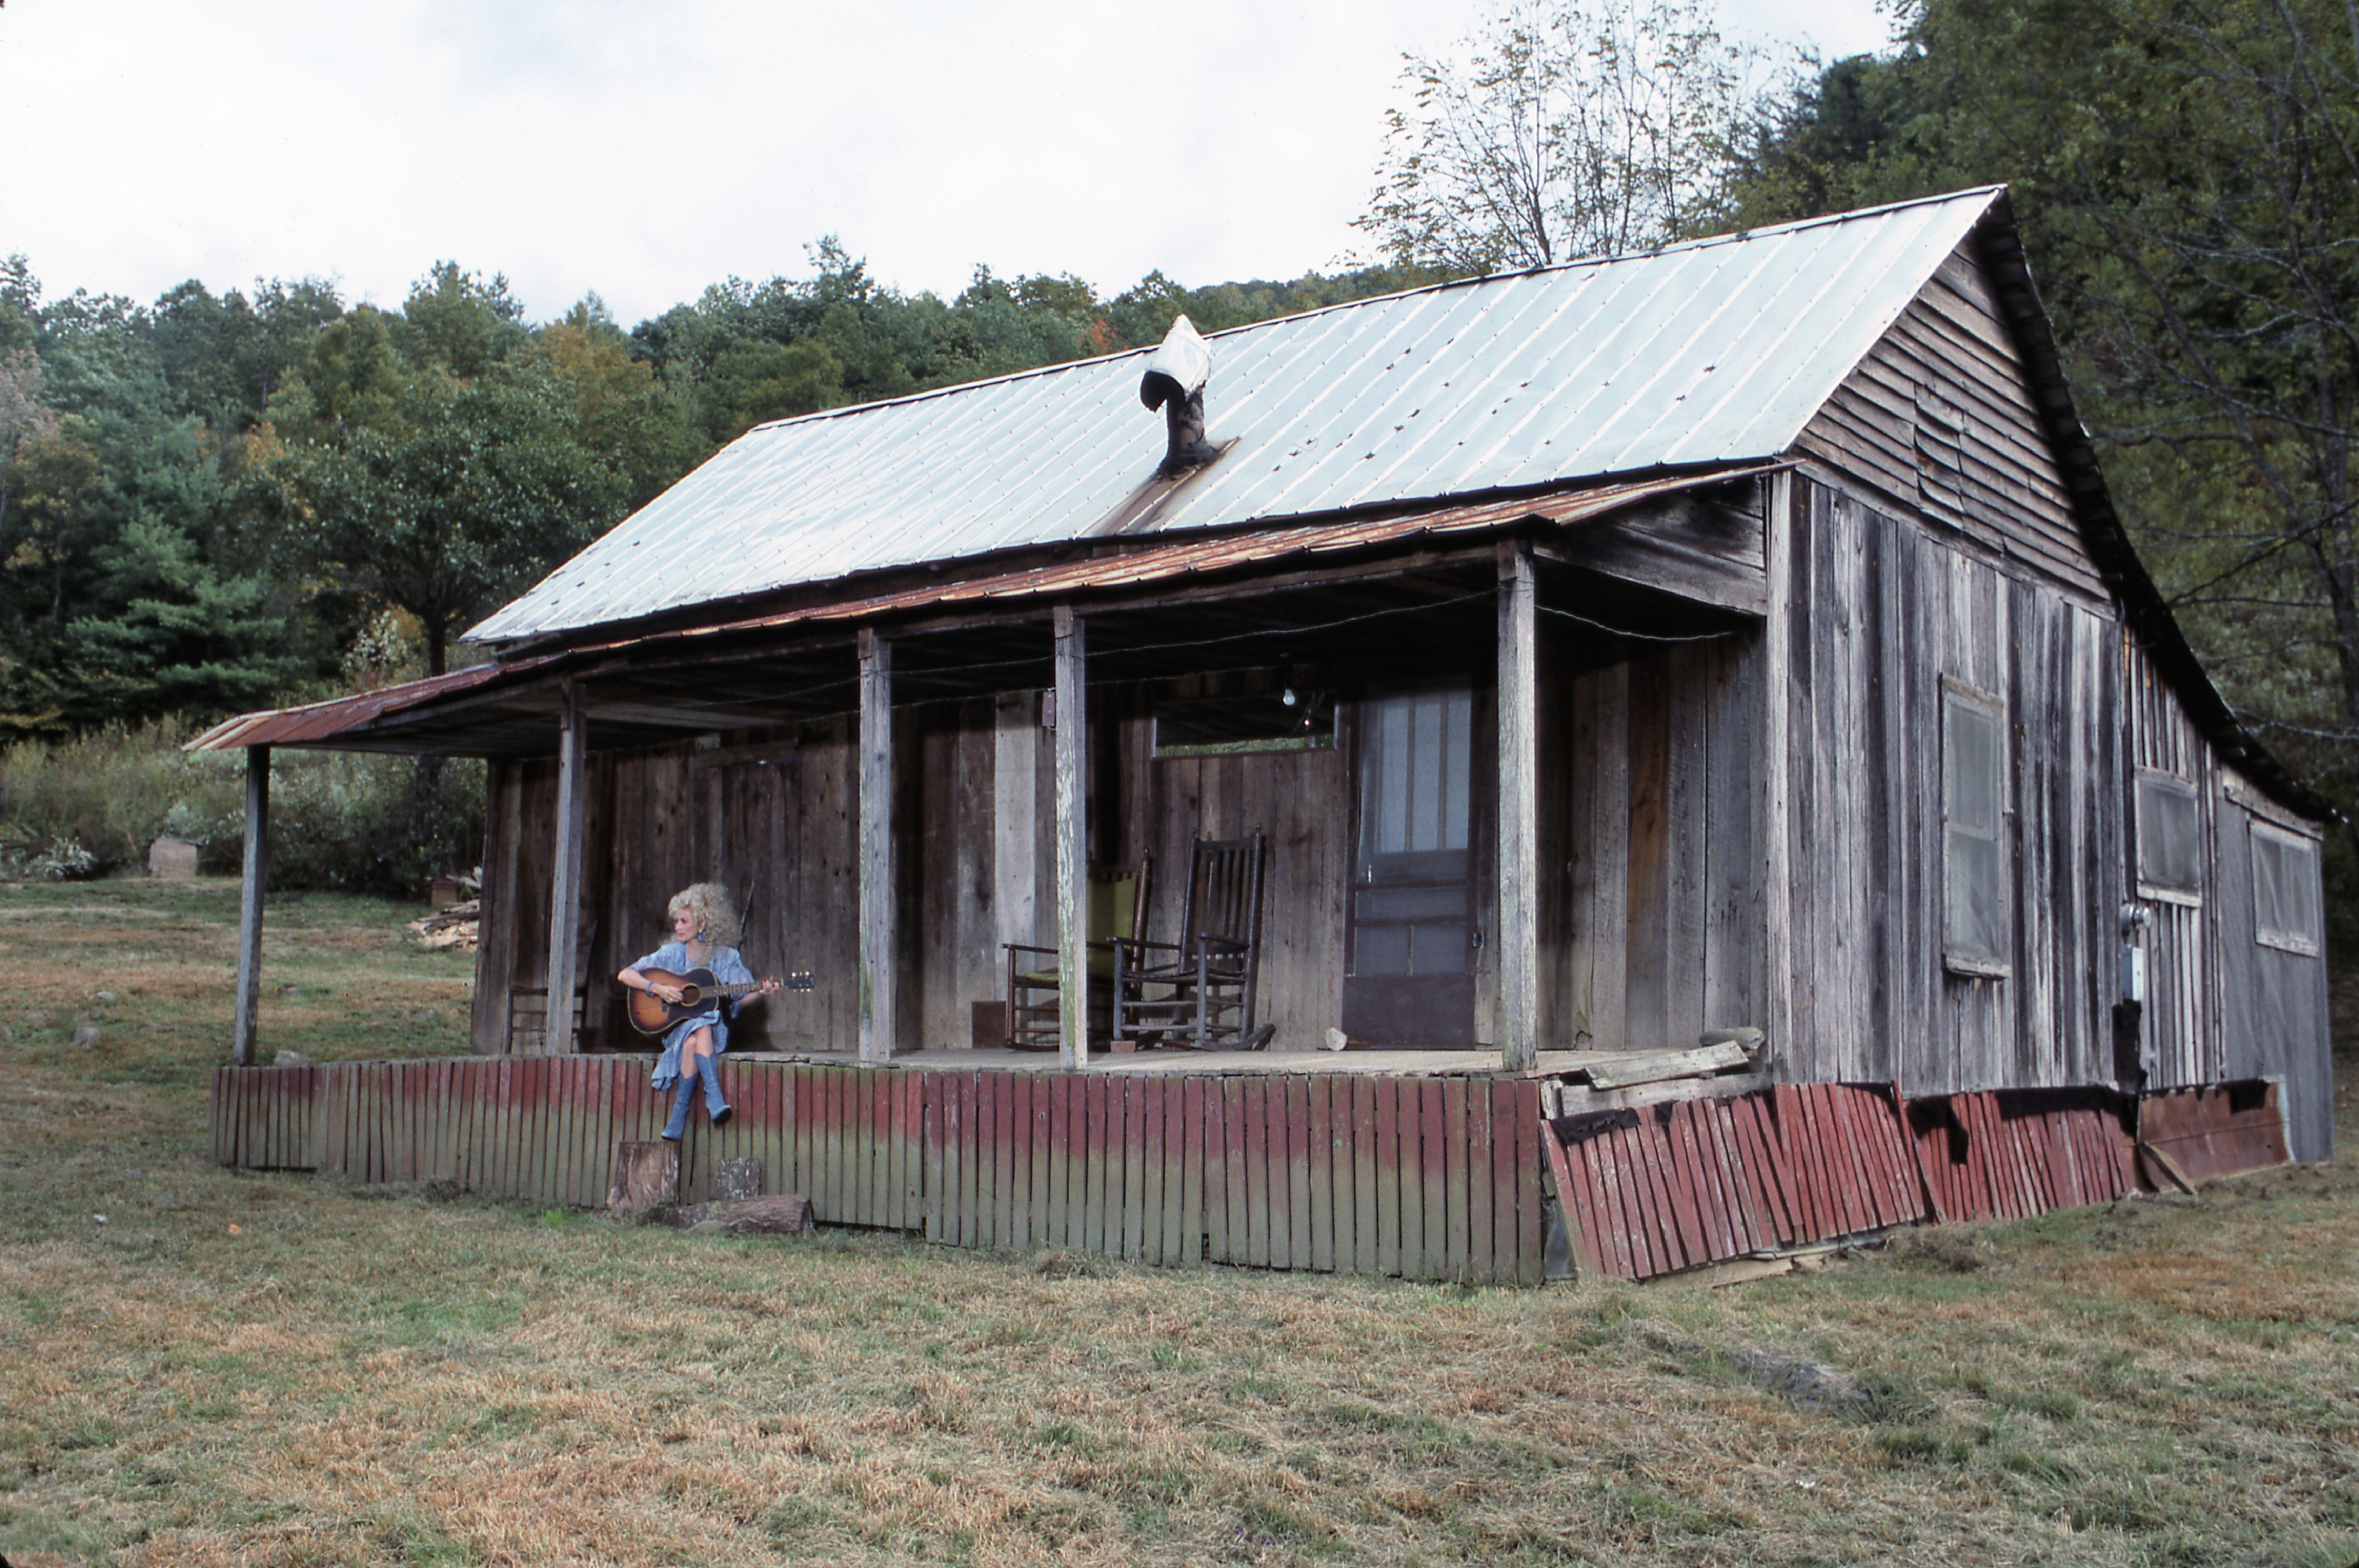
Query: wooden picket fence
(1435, 1178)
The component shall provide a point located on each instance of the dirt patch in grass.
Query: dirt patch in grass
(273, 1370)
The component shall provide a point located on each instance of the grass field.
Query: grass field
(200, 1366)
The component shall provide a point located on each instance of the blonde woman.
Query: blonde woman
(704, 932)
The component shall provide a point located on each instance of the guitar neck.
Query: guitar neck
(800, 981)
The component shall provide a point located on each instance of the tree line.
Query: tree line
(218, 502)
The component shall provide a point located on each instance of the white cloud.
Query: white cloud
(647, 149)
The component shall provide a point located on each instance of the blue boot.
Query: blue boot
(677, 1127)
(714, 1106)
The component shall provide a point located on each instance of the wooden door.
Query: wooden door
(1410, 976)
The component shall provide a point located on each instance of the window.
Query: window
(1292, 720)
(2284, 890)
(1411, 912)
(2169, 838)
(1416, 755)
(1974, 818)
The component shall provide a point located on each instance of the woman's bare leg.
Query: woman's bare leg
(696, 1055)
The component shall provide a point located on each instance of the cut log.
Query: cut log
(645, 1174)
(781, 1214)
(738, 1178)
(1697, 1062)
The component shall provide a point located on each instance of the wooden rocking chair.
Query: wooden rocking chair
(1118, 908)
(1199, 991)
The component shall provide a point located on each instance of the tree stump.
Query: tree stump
(645, 1174)
(738, 1178)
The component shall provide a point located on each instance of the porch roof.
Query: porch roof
(795, 662)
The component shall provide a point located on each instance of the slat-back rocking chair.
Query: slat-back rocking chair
(1199, 991)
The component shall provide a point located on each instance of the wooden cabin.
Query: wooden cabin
(1735, 636)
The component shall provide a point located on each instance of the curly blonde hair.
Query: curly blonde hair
(716, 915)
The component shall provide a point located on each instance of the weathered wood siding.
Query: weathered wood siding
(1650, 922)
(1938, 419)
(1879, 612)
(2272, 1002)
(779, 827)
(776, 827)
(1301, 801)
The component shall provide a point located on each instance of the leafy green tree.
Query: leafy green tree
(185, 638)
(2187, 173)
(224, 357)
(754, 382)
(454, 496)
(460, 320)
(620, 409)
(23, 416)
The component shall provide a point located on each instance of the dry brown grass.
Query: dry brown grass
(272, 1370)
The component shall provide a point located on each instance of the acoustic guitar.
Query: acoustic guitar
(650, 1014)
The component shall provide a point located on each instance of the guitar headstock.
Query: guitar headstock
(800, 981)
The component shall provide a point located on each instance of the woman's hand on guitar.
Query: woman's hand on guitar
(770, 983)
(665, 990)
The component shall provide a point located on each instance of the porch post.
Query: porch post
(249, 912)
(1073, 850)
(1780, 521)
(1518, 936)
(565, 872)
(878, 1021)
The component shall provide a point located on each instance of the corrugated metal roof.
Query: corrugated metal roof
(1711, 353)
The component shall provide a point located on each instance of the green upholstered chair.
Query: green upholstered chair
(1117, 909)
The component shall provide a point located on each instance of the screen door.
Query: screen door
(1410, 976)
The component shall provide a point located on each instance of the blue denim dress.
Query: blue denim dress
(728, 969)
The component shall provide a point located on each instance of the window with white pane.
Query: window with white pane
(2286, 913)
(2169, 838)
(1974, 832)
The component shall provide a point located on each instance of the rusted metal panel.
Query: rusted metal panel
(2217, 1131)
(1671, 1187)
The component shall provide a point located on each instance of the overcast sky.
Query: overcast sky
(645, 148)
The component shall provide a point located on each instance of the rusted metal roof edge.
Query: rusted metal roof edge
(1234, 550)
(314, 721)
(816, 597)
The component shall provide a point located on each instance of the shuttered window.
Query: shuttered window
(1974, 831)
(2285, 892)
